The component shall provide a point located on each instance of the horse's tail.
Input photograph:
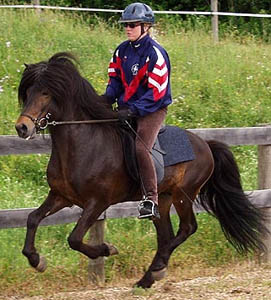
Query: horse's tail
(223, 196)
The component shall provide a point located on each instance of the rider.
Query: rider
(139, 73)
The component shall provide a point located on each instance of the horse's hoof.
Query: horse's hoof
(41, 267)
(112, 249)
(158, 275)
(143, 284)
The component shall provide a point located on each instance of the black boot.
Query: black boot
(148, 209)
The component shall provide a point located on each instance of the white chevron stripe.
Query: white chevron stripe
(160, 59)
(160, 72)
(157, 85)
(112, 70)
(160, 62)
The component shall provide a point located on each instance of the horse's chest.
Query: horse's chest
(61, 182)
(63, 187)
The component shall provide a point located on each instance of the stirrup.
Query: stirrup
(148, 209)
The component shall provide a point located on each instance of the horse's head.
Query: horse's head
(55, 89)
(35, 100)
(42, 91)
(36, 103)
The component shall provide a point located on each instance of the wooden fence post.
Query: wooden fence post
(264, 182)
(96, 266)
(214, 8)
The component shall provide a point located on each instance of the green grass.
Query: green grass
(213, 85)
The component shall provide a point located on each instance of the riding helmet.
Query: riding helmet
(137, 12)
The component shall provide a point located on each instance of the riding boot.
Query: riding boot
(148, 208)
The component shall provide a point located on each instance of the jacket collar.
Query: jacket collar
(140, 43)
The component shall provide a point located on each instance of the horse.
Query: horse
(87, 168)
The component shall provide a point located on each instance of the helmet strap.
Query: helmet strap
(142, 32)
(142, 29)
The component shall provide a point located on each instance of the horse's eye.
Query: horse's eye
(45, 93)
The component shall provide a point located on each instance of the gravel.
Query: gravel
(241, 284)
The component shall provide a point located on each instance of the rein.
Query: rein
(43, 123)
(54, 123)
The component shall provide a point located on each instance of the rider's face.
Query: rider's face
(133, 30)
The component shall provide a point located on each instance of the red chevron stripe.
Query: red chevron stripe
(159, 79)
(134, 84)
(160, 67)
(156, 95)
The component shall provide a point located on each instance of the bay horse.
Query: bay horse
(87, 169)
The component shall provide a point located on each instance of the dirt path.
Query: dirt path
(236, 285)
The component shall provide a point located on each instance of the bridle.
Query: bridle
(42, 123)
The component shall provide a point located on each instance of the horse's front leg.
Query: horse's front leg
(88, 218)
(52, 204)
(165, 235)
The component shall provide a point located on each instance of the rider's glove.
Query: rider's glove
(125, 114)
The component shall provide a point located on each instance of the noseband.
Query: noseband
(40, 123)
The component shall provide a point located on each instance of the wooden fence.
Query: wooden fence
(260, 136)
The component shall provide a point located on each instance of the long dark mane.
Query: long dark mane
(60, 76)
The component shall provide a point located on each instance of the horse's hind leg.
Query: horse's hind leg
(167, 242)
(183, 203)
(165, 234)
(52, 204)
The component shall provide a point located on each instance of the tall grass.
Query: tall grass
(213, 85)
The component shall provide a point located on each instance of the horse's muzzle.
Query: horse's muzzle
(25, 129)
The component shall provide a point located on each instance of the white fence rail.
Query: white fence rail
(167, 12)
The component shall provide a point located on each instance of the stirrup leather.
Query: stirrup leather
(148, 209)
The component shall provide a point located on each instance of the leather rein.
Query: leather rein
(43, 123)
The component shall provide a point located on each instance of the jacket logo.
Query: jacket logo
(134, 69)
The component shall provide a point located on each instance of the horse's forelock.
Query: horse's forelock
(51, 74)
(29, 77)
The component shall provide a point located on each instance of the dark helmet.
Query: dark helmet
(137, 12)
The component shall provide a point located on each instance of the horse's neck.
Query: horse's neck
(68, 140)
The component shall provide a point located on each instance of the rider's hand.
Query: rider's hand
(125, 114)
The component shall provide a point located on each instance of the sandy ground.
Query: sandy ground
(238, 284)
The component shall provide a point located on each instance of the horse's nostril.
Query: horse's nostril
(21, 129)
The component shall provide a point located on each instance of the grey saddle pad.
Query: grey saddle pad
(172, 147)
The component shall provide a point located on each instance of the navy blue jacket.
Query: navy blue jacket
(139, 76)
